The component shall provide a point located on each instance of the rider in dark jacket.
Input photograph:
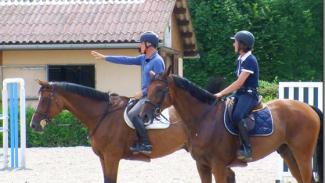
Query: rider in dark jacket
(247, 72)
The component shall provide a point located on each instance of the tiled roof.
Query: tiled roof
(184, 22)
(82, 22)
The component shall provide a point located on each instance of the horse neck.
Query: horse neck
(88, 111)
(189, 108)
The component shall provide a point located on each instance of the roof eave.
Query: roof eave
(71, 46)
(184, 21)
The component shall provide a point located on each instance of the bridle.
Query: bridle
(156, 108)
(47, 100)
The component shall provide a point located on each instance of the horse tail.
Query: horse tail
(320, 148)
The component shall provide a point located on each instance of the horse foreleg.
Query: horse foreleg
(288, 157)
(231, 177)
(204, 172)
(110, 167)
(220, 174)
(103, 165)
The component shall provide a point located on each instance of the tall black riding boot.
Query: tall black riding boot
(245, 152)
(143, 146)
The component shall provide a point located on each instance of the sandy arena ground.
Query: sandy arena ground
(81, 165)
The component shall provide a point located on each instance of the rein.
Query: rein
(107, 111)
(157, 107)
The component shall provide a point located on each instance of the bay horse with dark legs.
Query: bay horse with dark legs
(298, 129)
(102, 114)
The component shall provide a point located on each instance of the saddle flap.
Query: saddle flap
(260, 123)
(250, 121)
(230, 103)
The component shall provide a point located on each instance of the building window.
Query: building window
(79, 74)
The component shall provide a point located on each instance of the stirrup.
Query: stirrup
(245, 154)
(141, 148)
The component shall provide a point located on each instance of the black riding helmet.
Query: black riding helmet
(150, 37)
(245, 37)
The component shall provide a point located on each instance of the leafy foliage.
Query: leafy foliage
(288, 34)
(269, 90)
(64, 130)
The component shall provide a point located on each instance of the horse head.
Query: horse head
(49, 105)
(158, 97)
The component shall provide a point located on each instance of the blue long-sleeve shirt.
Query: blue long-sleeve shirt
(155, 63)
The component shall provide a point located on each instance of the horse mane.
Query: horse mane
(82, 90)
(195, 90)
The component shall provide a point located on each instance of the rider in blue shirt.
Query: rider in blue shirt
(247, 72)
(149, 60)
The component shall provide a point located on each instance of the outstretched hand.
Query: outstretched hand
(218, 96)
(98, 56)
(138, 95)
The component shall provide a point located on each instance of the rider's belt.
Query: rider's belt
(247, 90)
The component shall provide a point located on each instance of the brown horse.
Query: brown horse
(102, 114)
(297, 129)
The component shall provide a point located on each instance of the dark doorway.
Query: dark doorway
(79, 74)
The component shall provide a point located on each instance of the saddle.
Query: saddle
(130, 104)
(231, 102)
(260, 121)
(160, 122)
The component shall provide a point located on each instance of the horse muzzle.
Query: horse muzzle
(38, 125)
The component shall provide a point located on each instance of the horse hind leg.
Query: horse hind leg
(303, 156)
(290, 160)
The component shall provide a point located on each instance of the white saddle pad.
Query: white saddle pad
(159, 123)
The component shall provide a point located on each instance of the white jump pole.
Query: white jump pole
(5, 125)
(22, 159)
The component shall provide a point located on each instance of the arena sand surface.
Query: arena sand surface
(81, 165)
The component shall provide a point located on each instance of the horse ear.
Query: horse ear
(42, 83)
(168, 71)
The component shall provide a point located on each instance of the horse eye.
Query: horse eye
(160, 93)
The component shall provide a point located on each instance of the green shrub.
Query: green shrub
(268, 90)
(63, 130)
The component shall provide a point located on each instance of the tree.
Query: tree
(288, 38)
